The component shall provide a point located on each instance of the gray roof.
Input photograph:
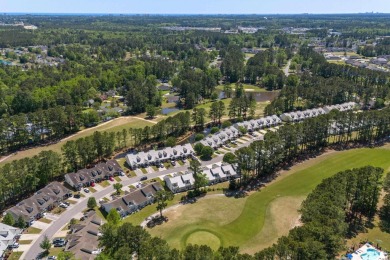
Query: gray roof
(40, 201)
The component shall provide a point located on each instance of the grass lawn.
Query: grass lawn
(24, 242)
(91, 189)
(57, 210)
(140, 216)
(45, 220)
(144, 171)
(112, 126)
(32, 230)
(71, 201)
(15, 256)
(54, 251)
(117, 178)
(104, 184)
(257, 221)
(155, 168)
(372, 235)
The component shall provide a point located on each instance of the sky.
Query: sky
(195, 6)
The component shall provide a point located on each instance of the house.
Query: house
(43, 200)
(155, 157)
(8, 237)
(134, 201)
(100, 172)
(83, 239)
(214, 175)
(164, 87)
(340, 107)
(180, 183)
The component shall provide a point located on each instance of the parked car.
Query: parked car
(143, 178)
(173, 163)
(86, 190)
(62, 205)
(15, 245)
(66, 203)
(59, 242)
(92, 184)
(77, 196)
(51, 257)
(111, 179)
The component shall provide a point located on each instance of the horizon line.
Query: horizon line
(187, 14)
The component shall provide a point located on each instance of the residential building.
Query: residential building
(155, 157)
(83, 240)
(42, 201)
(214, 175)
(8, 237)
(100, 172)
(134, 201)
(302, 115)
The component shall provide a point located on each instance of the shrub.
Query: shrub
(214, 130)
(229, 158)
(198, 148)
(199, 137)
(207, 152)
(226, 124)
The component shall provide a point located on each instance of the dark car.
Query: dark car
(77, 196)
(59, 242)
(144, 178)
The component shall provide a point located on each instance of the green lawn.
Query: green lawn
(24, 242)
(144, 171)
(257, 221)
(33, 230)
(104, 184)
(15, 256)
(45, 220)
(54, 251)
(91, 189)
(117, 178)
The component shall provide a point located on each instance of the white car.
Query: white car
(63, 205)
(86, 190)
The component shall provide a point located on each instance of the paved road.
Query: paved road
(67, 215)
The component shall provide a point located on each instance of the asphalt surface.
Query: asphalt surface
(35, 250)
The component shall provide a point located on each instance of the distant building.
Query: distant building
(152, 157)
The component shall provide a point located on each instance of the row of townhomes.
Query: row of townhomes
(42, 201)
(83, 238)
(134, 201)
(100, 172)
(309, 113)
(152, 157)
(257, 124)
(222, 137)
(8, 237)
(214, 175)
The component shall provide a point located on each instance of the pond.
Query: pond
(166, 111)
(5, 62)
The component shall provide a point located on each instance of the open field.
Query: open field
(256, 222)
(115, 125)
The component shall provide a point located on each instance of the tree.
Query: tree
(229, 158)
(21, 223)
(113, 217)
(170, 142)
(150, 111)
(161, 198)
(207, 152)
(45, 244)
(91, 204)
(200, 179)
(198, 148)
(214, 130)
(9, 219)
(199, 137)
(226, 124)
(243, 130)
(118, 187)
(66, 255)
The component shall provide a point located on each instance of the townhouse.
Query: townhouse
(8, 237)
(133, 201)
(42, 201)
(100, 172)
(83, 238)
(214, 175)
(299, 116)
(145, 159)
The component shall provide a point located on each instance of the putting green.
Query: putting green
(257, 221)
(204, 238)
